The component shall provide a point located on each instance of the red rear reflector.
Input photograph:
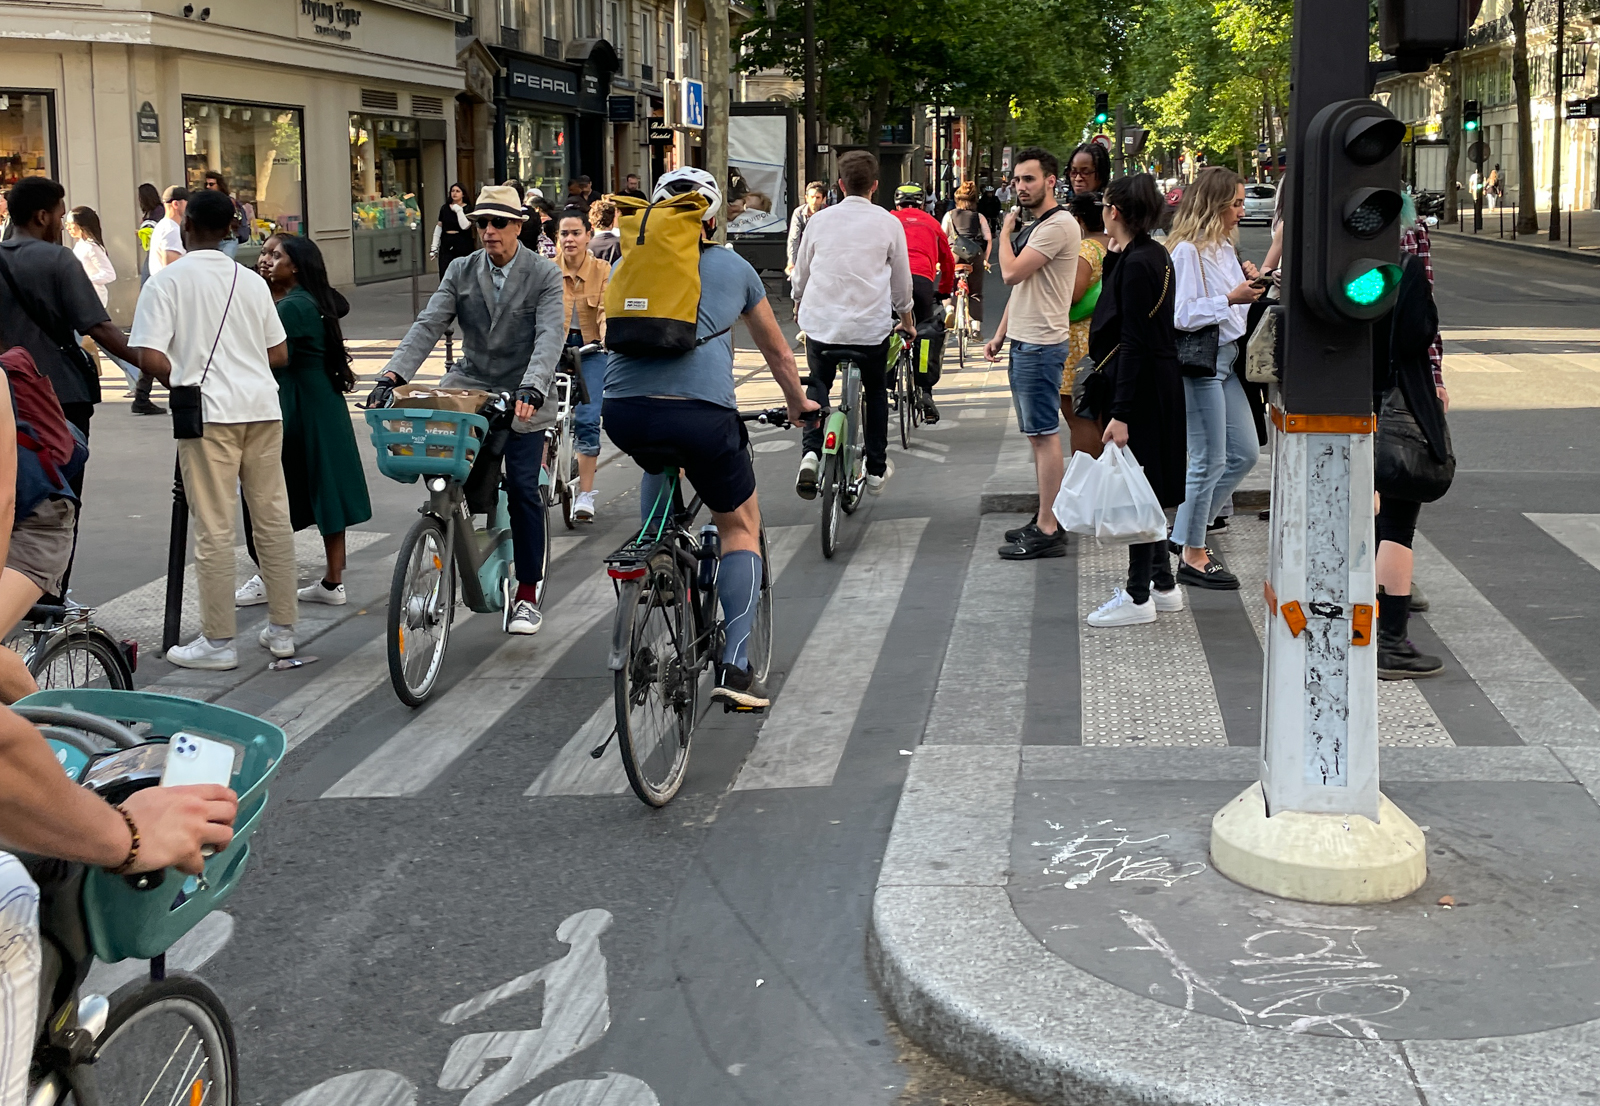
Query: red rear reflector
(627, 572)
(833, 441)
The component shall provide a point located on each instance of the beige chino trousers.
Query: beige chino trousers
(231, 456)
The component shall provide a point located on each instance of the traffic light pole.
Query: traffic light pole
(1316, 827)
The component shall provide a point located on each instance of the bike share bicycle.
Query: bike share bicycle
(64, 647)
(561, 462)
(167, 1037)
(668, 634)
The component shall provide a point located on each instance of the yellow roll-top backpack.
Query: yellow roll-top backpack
(653, 298)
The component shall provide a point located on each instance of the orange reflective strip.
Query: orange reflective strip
(1294, 616)
(1272, 597)
(1361, 625)
(1323, 424)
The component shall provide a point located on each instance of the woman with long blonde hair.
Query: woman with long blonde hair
(1213, 295)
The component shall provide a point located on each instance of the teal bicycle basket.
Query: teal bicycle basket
(417, 441)
(124, 923)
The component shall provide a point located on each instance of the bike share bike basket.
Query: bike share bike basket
(417, 441)
(127, 924)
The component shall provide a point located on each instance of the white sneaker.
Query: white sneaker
(314, 592)
(525, 618)
(201, 653)
(252, 593)
(875, 483)
(805, 484)
(1167, 602)
(1121, 610)
(277, 640)
(583, 508)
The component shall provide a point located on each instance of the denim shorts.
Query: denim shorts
(1035, 374)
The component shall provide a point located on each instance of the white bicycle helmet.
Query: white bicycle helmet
(690, 179)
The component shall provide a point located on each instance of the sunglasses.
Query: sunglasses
(485, 222)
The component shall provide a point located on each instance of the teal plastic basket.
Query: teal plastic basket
(417, 441)
(127, 924)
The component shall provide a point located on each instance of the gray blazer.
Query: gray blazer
(508, 345)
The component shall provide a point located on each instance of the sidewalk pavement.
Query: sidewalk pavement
(1046, 917)
(1498, 231)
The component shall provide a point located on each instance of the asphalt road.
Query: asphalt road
(731, 927)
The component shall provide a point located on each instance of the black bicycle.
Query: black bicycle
(669, 632)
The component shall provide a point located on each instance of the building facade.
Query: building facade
(325, 117)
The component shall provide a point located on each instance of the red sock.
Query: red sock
(528, 592)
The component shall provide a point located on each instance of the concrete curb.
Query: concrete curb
(1590, 258)
(966, 980)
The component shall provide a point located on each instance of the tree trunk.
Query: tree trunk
(1450, 120)
(717, 75)
(877, 112)
(1527, 199)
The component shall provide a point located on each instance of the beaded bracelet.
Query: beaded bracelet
(133, 848)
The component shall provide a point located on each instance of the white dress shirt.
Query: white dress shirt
(97, 264)
(852, 274)
(1204, 281)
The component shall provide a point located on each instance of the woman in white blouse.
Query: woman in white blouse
(89, 248)
(1213, 290)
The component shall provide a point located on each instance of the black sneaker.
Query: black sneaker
(1035, 544)
(145, 407)
(1400, 660)
(930, 413)
(740, 687)
(1017, 532)
(1218, 523)
(1419, 602)
(1213, 576)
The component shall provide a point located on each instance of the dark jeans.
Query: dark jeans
(822, 362)
(928, 357)
(524, 457)
(1148, 565)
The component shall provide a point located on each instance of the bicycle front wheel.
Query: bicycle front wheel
(421, 602)
(655, 688)
(760, 644)
(78, 659)
(167, 1042)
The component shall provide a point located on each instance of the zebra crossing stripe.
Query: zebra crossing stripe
(574, 771)
(808, 726)
(427, 746)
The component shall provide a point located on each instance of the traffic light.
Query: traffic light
(1352, 236)
(1471, 116)
(1422, 31)
(1102, 109)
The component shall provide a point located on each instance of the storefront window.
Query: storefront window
(536, 151)
(27, 141)
(257, 149)
(385, 180)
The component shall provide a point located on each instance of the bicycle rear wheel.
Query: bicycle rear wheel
(908, 398)
(163, 1040)
(963, 327)
(81, 659)
(421, 604)
(832, 478)
(655, 689)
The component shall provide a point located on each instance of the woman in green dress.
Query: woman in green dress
(321, 464)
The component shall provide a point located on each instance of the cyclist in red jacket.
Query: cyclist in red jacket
(933, 277)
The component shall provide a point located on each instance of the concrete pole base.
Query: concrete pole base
(1339, 859)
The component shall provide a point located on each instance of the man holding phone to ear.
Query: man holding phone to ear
(507, 302)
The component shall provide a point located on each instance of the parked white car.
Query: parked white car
(1259, 202)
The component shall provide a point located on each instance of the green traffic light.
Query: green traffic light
(1471, 125)
(1371, 286)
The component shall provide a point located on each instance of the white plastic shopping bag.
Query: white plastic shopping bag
(1127, 509)
(1080, 490)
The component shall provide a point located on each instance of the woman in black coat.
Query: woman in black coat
(1140, 389)
(1400, 343)
(453, 236)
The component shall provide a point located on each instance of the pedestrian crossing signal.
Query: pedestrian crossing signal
(1471, 116)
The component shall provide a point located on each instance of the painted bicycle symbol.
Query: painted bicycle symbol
(577, 1013)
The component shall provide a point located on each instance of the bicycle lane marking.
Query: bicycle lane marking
(574, 771)
(800, 744)
(413, 758)
(302, 714)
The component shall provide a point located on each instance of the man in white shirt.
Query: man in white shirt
(212, 323)
(166, 240)
(852, 277)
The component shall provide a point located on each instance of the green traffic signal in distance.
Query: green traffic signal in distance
(1365, 288)
(1471, 116)
(1102, 108)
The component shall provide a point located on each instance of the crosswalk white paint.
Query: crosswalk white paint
(428, 745)
(808, 726)
(574, 771)
(1579, 533)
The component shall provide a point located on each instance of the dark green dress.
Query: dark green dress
(321, 463)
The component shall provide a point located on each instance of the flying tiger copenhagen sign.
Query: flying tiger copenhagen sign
(331, 21)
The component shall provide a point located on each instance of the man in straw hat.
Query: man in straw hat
(506, 300)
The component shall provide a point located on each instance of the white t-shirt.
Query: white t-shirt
(166, 238)
(180, 313)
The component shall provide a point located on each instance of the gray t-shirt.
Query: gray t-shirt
(729, 287)
(55, 285)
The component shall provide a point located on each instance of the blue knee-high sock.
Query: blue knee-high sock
(739, 585)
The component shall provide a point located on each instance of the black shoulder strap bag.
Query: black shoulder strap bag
(77, 358)
(188, 416)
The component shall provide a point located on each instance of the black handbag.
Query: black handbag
(186, 401)
(1197, 349)
(1402, 464)
(77, 358)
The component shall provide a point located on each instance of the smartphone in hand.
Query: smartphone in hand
(195, 759)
